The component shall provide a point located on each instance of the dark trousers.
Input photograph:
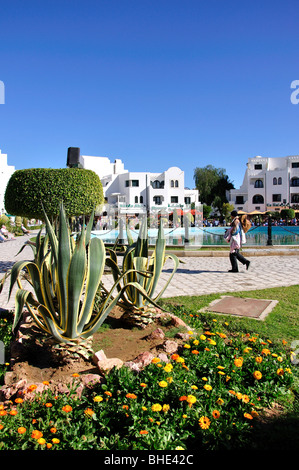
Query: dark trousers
(233, 259)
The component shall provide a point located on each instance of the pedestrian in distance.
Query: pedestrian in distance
(235, 235)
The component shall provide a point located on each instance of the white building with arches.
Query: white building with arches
(268, 185)
(140, 191)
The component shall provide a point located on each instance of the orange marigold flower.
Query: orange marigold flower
(19, 400)
(143, 432)
(280, 372)
(45, 382)
(238, 361)
(182, 398)
(257, 374)
(109, 394)
(175, 356)
(216, 414)
(21, 430)
(143, 385)
(155, 360)
(258, 359)
(31, 388)
(131, 395)
(13, 412)
(53, 430)
(67, 408)
(36, 434)
(266, 351)
(195, 351)
(248, 416)
(55, 440)
(48, 405)
(3, 412)
(89, 412)
(75, 374)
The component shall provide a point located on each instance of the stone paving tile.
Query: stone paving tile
(196, 276)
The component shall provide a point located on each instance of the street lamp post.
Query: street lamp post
(269, 241)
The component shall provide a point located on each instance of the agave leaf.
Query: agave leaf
(75, 284)
(96, 264)
(22, 296)
(63, 259)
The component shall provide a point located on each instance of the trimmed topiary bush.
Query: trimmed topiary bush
(80, 190)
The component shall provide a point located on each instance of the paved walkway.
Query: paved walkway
(198, 275)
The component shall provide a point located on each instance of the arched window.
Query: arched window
(141, 199)
(258, 184)
(136, 199)
(280, 180)
(172, 184)
(176, 183)
(274, 180)
(258, 199)
(295, 181)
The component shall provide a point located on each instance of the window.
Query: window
(157, 200)
(276, 197)
(295, 198)
(176, 183)
(280, 180)
(141, 199)
(295, 181)
(258, 199)
(274, 180)
(136, 199)
(258, 166)
(132, 183)
(157, 184)
(172, 184)
(174, 199)
(258, 184)
(295, 165)
(187, 200)
(239, 199)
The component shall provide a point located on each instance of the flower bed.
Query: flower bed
(208, 396)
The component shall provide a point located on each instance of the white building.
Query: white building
(5, 173)
(132, 191)
(268, 185)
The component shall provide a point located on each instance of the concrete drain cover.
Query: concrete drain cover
(251, 308)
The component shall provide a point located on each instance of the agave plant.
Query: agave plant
(137, 279)
(65, 280)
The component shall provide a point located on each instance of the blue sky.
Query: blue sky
(156, 83)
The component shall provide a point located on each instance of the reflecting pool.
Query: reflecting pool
(208, 236)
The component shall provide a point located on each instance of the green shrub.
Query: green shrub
(81, 190)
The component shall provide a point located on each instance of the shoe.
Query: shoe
(247, 265)
(233, 271)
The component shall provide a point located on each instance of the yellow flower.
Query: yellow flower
(194, 387)
(220, 367)
(156, 407)
(163, 384)
(203, 337)
(191, 399)
(165, 408)
(143, 385)
(245, 399)
(195, 342)
(168, 367)
(221, 373)
(204, 378)
(220, 401)
(41, 441)
(98, 399)
(55, 440)
(207, 387)
(258, 359)
(187, 346)
(204, 422)
(248, 416)
(280, 372)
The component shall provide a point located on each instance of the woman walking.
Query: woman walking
(235, 239)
